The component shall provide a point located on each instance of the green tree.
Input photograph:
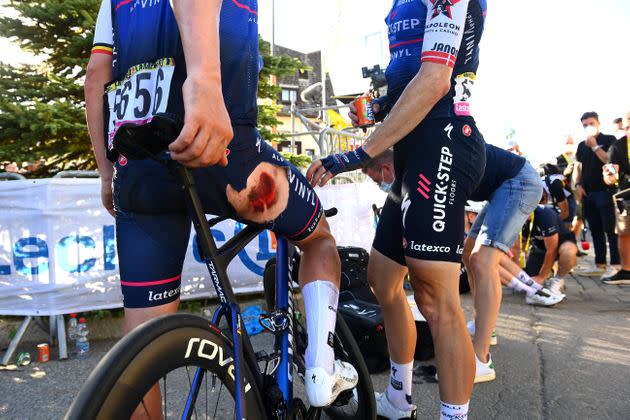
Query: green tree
(42, 106)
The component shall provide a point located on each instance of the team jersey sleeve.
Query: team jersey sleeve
(444, 30)
(103, 34)
(546, 223)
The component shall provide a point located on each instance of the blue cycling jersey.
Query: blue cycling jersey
(149, 67)
(437, 31)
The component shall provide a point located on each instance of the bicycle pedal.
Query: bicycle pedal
(275, 322)
(344, 398)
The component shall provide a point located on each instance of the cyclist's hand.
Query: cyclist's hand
(321, 171)
(207, 128)
(107, 197)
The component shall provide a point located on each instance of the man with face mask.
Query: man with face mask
(595, 195)
(381, 170)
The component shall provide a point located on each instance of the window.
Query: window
(303, 74)
(288, 95)
(285, 146)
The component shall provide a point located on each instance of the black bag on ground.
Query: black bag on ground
(354, 263)
(365, 320)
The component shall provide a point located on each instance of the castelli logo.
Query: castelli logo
(122, 161)
(467, 130)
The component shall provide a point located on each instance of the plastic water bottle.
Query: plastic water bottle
(72, 327)
(82, 342)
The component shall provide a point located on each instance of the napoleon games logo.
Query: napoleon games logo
(443, 7)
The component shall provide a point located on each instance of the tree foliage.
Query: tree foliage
(42, 105)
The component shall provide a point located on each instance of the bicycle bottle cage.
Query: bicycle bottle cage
(142, 141)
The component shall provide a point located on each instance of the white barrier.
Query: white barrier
(58, 252)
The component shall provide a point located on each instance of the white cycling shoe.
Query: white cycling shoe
(323, 389)
(384, 408)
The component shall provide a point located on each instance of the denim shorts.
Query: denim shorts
(503, 216)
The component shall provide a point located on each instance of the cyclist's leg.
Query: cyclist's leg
(263, 187)
(567, 255)
(439, 177)
(152, 235)
(386, 272)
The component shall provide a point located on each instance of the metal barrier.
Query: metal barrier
(77, 174)
(10, 176)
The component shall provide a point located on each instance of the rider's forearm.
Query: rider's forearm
(198, 22)
(421, 94)
(95, 80)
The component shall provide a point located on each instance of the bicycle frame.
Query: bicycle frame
(217, 260)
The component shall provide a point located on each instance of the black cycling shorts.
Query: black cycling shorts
(438, 165)
(153, 226)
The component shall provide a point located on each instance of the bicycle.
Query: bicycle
(260, 384)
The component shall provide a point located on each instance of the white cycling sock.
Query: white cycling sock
(320, 304)
(399, 389)
(453, 411)
(524, 278)
(518, 285)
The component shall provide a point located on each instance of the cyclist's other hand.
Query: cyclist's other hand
(207, 128)
(107, 197)
(321, 171)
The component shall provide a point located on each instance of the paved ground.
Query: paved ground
(567, 362)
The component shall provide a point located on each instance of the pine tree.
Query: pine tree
(42, 108)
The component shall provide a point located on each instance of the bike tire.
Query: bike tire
(344, 343)
(121, 379)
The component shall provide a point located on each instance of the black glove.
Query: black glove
(345, 162)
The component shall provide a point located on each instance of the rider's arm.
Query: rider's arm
(432, 82)
(551, 246)
(556, 189)
(207, 129)
(98, 73)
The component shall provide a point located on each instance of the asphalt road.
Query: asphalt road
(567, 362)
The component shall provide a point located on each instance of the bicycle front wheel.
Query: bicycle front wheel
(168, 351)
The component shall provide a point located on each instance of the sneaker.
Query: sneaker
(621, 277)
(544, 297)
(593, 271)
(323, 389)
(485, 371)
(384, 408)
(610, 271)
(471, 329)
(555, 285)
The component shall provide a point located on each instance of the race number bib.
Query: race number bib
(142, 93)
(463, 90)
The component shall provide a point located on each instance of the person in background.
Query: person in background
(550, 241)
(513, 147)
(380, 169)
(595, 195)
(619, 174)
(559, 193)
(618, 129)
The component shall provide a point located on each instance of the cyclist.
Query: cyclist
(438, 159)
(199, 60)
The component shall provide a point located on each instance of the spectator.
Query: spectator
(618, 129)
(550, 241)
(618, 155)
(565, 161)
(595, 195)
(559, 193)
(512, 146)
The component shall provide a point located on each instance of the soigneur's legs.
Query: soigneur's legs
(436, 291)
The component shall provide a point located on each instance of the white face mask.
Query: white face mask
(590, 131)
(385, 186)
